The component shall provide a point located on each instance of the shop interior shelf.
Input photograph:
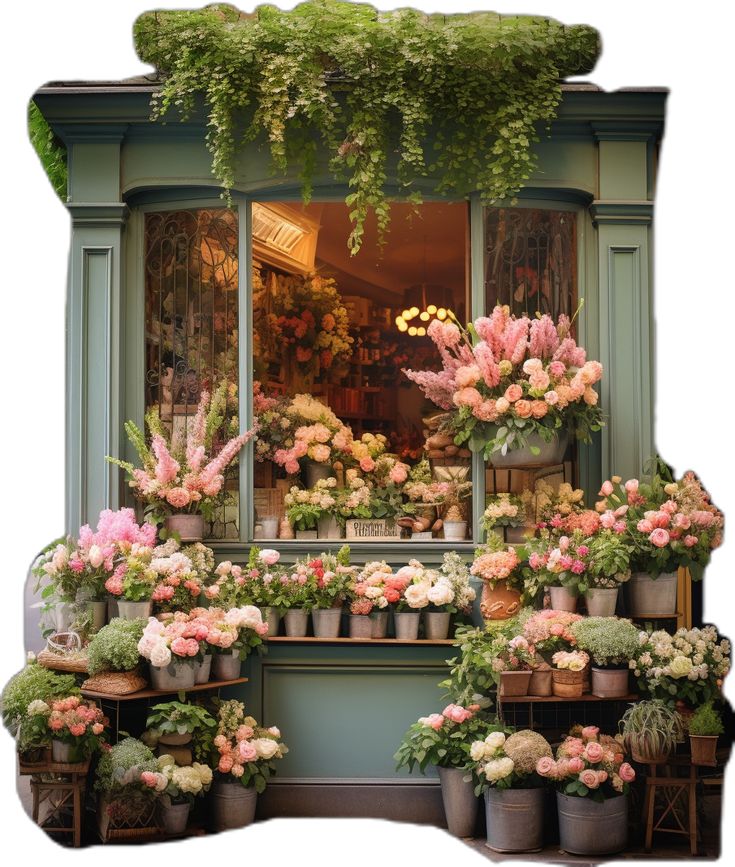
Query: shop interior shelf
(587, 696)
(310, 639)
(153, 693)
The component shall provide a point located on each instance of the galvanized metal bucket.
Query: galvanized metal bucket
(190, 528)
(548, 453)
(436, 625)
(361, 626)
(326, 622)
(174, 817)
(271, 616)
(588, 827)
(601, 601)
(562, 599)
(460, 802)
(609, 682)
(407, 625)
(379, 621)
(133, 610)
(174, 676)
(652, 597)
(204, 669)
(515, 819)
(226, 666)
(297, 622)
(233, 806)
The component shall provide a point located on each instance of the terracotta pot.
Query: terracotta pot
(562, 599)
(190, 528)
(609, 682)
(540, 683)
(652, 597)
(704, 749)
(567, 684)
(499, 602)
(514, 683)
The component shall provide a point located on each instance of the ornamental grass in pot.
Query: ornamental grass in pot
(612, 643)
(651, 729)
(592, 781)
(514, 792)
(444, 740)
(705, 727)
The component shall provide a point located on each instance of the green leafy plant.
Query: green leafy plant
(610, 641)
(115, 646)
(651, 729)
(706, 722)
(608, 562)
(51, 150)
(33, 683)
(120, 767)
(368, 85)
(179, 718)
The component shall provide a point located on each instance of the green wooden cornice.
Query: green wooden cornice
(98, 213)
(622, 212)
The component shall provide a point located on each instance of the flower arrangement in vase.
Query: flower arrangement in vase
(498, 567)
(183, 477)
(549, 631)
(306, 509)
(512, 383)
(182, 574)
(611, 642)
(230, 636)
(178, 787)
(180, 729)
(568, 672)
(77, 728)
(174, 647)
(546, 501)
(504, 514)
(513, 664)
(372, 590)
(319, 437)
(418, 587)
(236, 585)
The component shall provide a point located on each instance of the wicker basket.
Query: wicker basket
(72, 662)
(116, 682)
(567, 684)
(138, 824)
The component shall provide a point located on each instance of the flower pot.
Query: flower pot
(588, 827)
(173, 816)
(233, 806)
(609, 682)
(460, 802)
(306, 535)
(174, 739)
(65, 752)
(562, 599)
(541, 680)
(189, 528)
(328, 528)
(516, 535)
(316, 472)
(99, 614)
(177, 675)
(112, 608)
(567, 684)
(499, 602)
(515, 819)
(514, 683)
(181, 755)
(455, 531)
(204, 669)
(652, 597)
(407, 625)
(297, 622)
(269, 523)
(133, 610)
(361, 626)
(436, 625)
(326, 622)
(601, 601)
(379, 622)
(271, 616)
(226, 666)
(549, 453)
(704, 749)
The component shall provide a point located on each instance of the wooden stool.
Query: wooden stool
(62, 787)
(671, 787)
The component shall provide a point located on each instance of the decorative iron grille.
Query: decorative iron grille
(191, 314)
(531, 260)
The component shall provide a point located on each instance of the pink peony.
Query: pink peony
(513, 393)
(545, 766)
(179, 498)
(626, 772)
(247, 751)
(659, 537)
(575, 765)
(589, 778)
(589, 733)
(367, 464)
(593, 752)
(690, 541)
(523, 408)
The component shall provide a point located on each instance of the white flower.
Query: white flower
(417, 595)
(265, 747)
(495, 740)
(499, 769)
(38, 707)
(477, 751)
(160, 655)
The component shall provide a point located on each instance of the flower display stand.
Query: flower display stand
(60, 788)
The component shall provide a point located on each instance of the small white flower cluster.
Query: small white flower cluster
(493, 763)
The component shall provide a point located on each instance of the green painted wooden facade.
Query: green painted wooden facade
(342, 710)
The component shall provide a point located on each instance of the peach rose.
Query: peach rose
(539, 408)
(513, 393)
(523, 408)
(545, 766)
(551, 397)
(589, 778)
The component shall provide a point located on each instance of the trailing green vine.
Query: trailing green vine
(50, 150)
(372, 88)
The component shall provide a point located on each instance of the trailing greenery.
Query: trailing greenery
(50, 150)
(651, 728)
(33, 683)
(115, 646)
(370, 87)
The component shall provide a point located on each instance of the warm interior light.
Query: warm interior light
(414, 311)
(421, 331)
(401, 323)
(424, 316)
(413, 331)
(431, 309)
(406, 315)
(441, 313)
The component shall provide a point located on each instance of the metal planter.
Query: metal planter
(588, 827)
(226, 666)
(515, 819)
(652, 597)
(436, 625)
(326, 622)
(174, 676)
(601, 601)
(460, 802)
(233, 806)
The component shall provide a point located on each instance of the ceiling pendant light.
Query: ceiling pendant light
(423, 302)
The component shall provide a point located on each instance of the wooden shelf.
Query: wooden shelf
(675, 616)
(154, 693)
(548, 699)
(310, 639)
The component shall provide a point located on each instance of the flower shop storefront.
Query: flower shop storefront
(354, 435)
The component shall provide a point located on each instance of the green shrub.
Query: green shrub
(33, 682)
(115, 646)
(121, 766)
(706, 721)
(608, 640)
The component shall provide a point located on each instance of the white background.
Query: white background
(686, 48)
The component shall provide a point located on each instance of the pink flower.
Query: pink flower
(659, 537)
(626, 772)
(247, 751)
(467, 397)
(631, 486)
(593, 752)
(513, 393)
(606, 489)
(575, 764)
(589, 778)
(557, 369)
(619, 527)
(179, 498)
(644, 526)
(551, 397)
(148, 778)
(545, 766)
(578, 567)
(589, 733)
(434, 720)
(269, 556)
(367, 464)
(690, 541)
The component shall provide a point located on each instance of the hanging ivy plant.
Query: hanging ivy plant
(373, 89)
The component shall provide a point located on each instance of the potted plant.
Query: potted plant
(444, 740)
(180, 483)
(417, 582)
(592, 792)
(113, 654)
(608, 566)
(182, 785)
(77, 729)
(252, 584)
(514, 662)
(173, 653)
(548, 631)
(174, 725)
(498, 567)
(567, 676)
(243, 757)
(230, 635)
(514, 792)
(32, 683)
(557, 561)
(330, 576)
(133, 582)
(291, 594)
(128, 785)
(376, 584)
(33, 737)
(669, 524)
(304, 509)
(505, 515)
(182, 574)
(705, 727)
(651, 729)
(611, 642)
(449, 593)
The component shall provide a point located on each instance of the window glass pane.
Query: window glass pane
(191, 339)
(340, 329)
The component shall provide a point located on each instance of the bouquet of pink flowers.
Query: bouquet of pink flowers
(79, 723)
(504, 377)
(669, 523)
(237, 629)
(375, 586)
(182, 574)
(245, 752)
(176, 636)
(186, 474)
(495, 562)
(318, 435)
(250, 584)
(550, 630)
(588, 764)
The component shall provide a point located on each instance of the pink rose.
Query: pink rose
(602, 776)
(545, 766)
(659, 537)
(606, 489)
(690, 541)
(513, 393)
(593, 752)
(607, 520)
(589, 778)
(575, 765)
(589, 733)
(551, 397)
(269, 556)
(557, 369)
(148, 778)
(367, 464)
(644, 526)
(247, 751)
(631, 486)
(627, 774)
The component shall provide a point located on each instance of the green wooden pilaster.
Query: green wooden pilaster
(95, 337)
(623, 213)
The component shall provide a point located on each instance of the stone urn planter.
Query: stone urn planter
(189, 528)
